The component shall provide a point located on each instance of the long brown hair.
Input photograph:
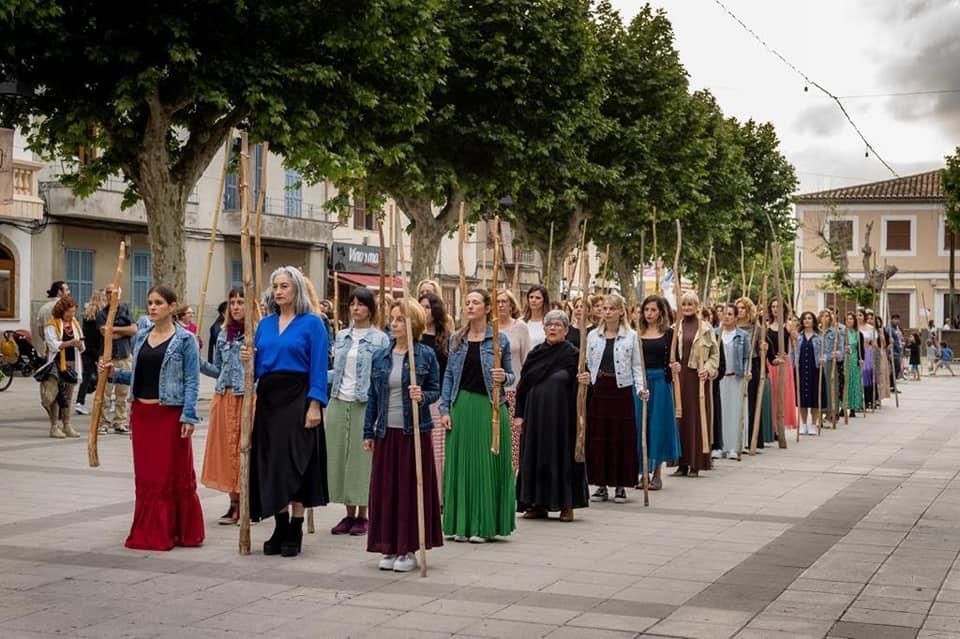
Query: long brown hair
(441, 321)
(663, 323)
(461, 334)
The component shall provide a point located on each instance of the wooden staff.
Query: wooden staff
(550, 252)
(249, 328)
(495, 323)
(584, 262)
(762, 342)
(214, 225)
(823, 334)
(834, 403)
(515, 286)
(744, 393)
(417, 449)
(93, 457)
(886, 322)
(706, 279)
(705, 429)
(336, 303)
(743, 272)
(261, 202)
(846, 374)
(656, 255)
(780, 393)
(463, 272)
(606, 262)
(677, 404)
(383, 283)
(645, 462)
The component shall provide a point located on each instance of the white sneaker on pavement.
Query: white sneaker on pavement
(81, 409)
(388, 562)
(405, 563)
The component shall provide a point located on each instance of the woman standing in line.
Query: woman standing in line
(853, 379)
(868, 334)
(782, 364)
(830, 357)
(92, 345)
(663, 441)
(697, 362)
(915, 344)
(288, 449)
(348, 466)
(64, 341)
(549, 478)
(164, 384)
(508, 310)
(221, 460)
(388, 433)
(479, 500)
(807, 359)
(580, 327)
(734, 368)
(616, 374)
(436, 334)
(747, 321)
(538, 301)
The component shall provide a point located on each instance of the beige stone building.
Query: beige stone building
(906, 218)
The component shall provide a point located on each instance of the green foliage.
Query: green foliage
(951, 186)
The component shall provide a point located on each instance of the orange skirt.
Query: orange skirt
(221, 460)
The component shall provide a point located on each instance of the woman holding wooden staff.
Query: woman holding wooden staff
(580, 325)
(550, 479)
(696, 362)
(853, 377)
(288, 451)
(478, 487)
(830, 357)
(807, 358)
(164, 383)
(663, 440)
(221, 459)
(388, 434)
(781, 369)
(538, 303)
(438, 326)
(734, 368)
(868, 335)
(747, 321)
(508, 311)
(348, 467)
(615, 373)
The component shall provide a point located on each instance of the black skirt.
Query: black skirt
(287, 461)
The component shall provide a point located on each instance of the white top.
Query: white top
(519, 338)
(729, 335)
(348, 384)
(537, 335)
(869, 334)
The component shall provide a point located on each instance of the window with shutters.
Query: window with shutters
(236, 274)
(79, 273)
(840, 304)
(842, 231)
(141, 276)
(363, 217)
(293, 196)
(898, 234)
(8, 283)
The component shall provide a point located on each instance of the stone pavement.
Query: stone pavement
(853, 534)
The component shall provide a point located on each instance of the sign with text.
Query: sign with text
(356, 258)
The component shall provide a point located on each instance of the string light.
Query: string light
(809, 82)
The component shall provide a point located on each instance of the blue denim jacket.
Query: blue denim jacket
(818, 352)
(179, 372)
(226, 366)
(370, 343)
(831, 349)
(456, 359)
(626, 357)
(378, 397)
(741, 351)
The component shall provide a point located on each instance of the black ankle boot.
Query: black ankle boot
(290, 546)
(273, 546)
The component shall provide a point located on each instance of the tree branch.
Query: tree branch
(200, 148)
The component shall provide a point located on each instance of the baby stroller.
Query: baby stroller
(17, 357)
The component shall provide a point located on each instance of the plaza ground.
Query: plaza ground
(852, 534)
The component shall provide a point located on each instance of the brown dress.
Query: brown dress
(691, 439)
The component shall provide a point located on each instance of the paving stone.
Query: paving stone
(851, 630)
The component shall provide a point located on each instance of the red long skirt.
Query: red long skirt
(167, 511)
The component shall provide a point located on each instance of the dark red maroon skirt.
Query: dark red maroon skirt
(611, 441)
(167, 511)
(393, 496)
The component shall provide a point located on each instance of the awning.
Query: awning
(371, 281)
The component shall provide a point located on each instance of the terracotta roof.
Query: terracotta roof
(922, 187)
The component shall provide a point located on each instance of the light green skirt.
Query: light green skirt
(479, 497)
(348, 465)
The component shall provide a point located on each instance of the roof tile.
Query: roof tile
(922, 187)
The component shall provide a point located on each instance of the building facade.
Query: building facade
(906, 223)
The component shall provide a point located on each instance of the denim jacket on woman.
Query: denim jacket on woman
(378, 397)
(371, 343)
(457, 357)
(832, 348)
(815, 340)
(626, 357)
(226, 366)
(179, 372)
(741, 352)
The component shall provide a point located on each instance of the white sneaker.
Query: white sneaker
(459, 539)
(388, 562)
(81, 409)
(715, 454)
(476, 539)
(405, 563)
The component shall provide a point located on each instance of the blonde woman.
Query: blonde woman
(508, 312)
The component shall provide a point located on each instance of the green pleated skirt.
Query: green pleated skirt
(479, 497)
(766, 415)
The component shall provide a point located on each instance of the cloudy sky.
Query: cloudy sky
(865, 49)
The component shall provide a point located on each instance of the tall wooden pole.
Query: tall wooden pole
(677, 403)
(579, 454)
(745, 391)
(743, 272)
(417, 448)
(606, 263)
(761, 383)
(495, 392)
(656, 255)
(820, 365)
(249, 327)
(706, 279)
(781, 391)
(382, 304)
(93, 457)
(834, 403)
(261, 202)
(550, 253)
(463, 272)
(645, 460)
(214, 225)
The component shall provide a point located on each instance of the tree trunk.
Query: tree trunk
(166, 204)
(565, 239)
(426, 233)
(625, 275)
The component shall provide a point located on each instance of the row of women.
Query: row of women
(361, 453)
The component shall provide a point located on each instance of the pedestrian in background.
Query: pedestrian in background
(115, 413)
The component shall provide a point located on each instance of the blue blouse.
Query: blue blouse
(301, 348)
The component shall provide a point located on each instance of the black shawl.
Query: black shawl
(541, 362)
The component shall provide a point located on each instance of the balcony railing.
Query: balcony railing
(27, 204)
